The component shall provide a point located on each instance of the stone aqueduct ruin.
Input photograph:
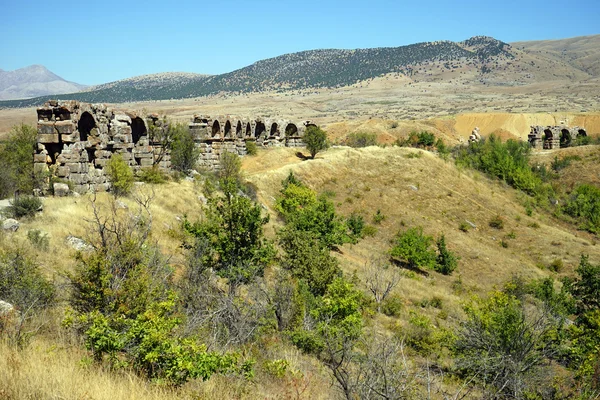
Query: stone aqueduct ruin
(554, 137)
(76, 140)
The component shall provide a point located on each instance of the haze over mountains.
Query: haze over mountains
(33, 81)
(480, 61)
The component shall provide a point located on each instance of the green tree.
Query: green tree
(184, 153)
(504, 346)
(120, 175)
(233, 227)
(414, 248)
(584, 204)
(446, 260)
(16, 161)
(315, 139)
(338, 327)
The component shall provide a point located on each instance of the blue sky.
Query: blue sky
(102, 41)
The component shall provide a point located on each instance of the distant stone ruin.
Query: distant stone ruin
(475, 136)
(76, 140)
(554, 137)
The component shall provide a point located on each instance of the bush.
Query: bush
(184, 152)
(251, 148)
(152, 175)
(315, 139)
(23, 206)
(38, 239)
(378, 217)
(463, 226)
(507, 161)
(446, 260)
(584, 205)
(356, 224)
(392, 306)
(414, 248)
(16, 161)
(497, 222)
(120, 175)
(361, 139)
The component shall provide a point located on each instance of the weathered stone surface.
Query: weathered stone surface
(61, 189)
(10, 225)
(78, 243)
(91, 133)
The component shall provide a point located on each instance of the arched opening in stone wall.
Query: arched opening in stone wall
(85, 125)
(581, 132)
(565, 138)
(138, 129)
(248, 130)
(216, 128)
(260, 129)
(274, 127)
(548, 135)
(238, 130)
(291, 130)
(227, 129)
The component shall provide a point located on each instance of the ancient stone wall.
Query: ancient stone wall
(76, 140)
(554, 137)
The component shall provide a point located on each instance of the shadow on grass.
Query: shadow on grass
(405, 265)
(301, 156)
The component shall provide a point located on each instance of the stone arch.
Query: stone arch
(248, 130)
(548, 135)
(260, 129)
(227, 129)
(138, 129)
(291, 130)
(238, 130)
(581, 132)
(565, 138)
(274, 129)
(216, 128)
(85, 125)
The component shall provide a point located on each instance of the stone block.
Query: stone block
(63, 172)
(46, 128)
(48, 138)
(79, 179)
(65, 127)
(61, 189)
(70, 137)
(81, 189)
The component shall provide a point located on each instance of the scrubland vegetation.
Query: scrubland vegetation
(358, 274)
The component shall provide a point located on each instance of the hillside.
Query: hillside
(483, 56)
(33, 81)
(409, 187)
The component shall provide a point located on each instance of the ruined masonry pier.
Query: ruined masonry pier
(76, 140)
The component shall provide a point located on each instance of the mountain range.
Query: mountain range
(33, 81)
(478, 60)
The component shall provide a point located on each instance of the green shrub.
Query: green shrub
(369, 231)
(23, 206)
(446, 260)
(315, 139)
(584, 205)
(556, 265)
(356, 224)
(120, 175)
(152, 175)
(392, 305)
(414, 248)
(16, 161)
(507, 161)
(463, 226)
(38, 239)
(378, 217)
(361, 139)
(425, 139)
(497, 222)
(251, 148)
(184, 153)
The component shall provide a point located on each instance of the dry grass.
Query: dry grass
(360, 180)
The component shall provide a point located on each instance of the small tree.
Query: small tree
(446, 260)
(315, 139)
(184, 153)
(16, 161)
(120, 175)
(414, 248)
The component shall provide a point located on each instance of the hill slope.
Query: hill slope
(33, 81)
